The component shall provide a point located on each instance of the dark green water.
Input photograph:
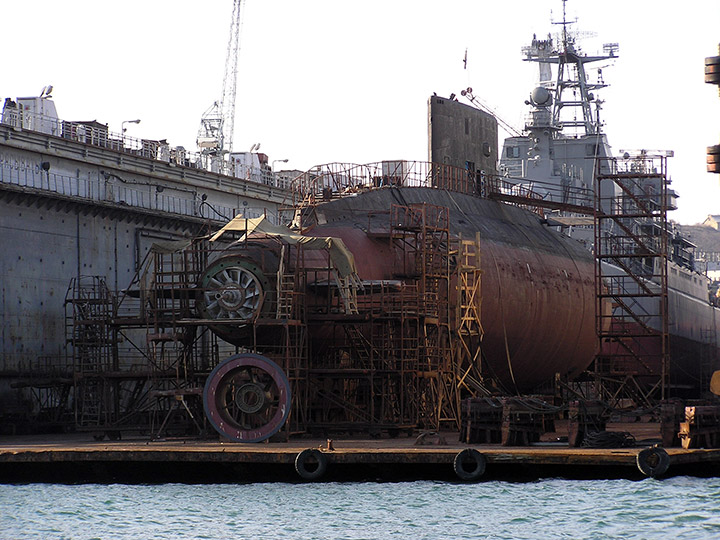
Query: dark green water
(680, 507)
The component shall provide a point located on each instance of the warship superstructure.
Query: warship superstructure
(662, 309)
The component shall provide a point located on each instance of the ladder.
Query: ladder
(285, 294)
(347, 289)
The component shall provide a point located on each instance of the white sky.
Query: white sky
(340, 80)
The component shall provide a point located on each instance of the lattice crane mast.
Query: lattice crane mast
(217, 125)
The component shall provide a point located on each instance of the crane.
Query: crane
(215, 136)
(512, 130)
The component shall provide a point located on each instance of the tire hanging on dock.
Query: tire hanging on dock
(311, 464)
(469, 464)
(653, 461)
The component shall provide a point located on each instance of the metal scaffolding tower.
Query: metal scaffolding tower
(89, 309)
(468, 327)
(631, 253)
(421, 233)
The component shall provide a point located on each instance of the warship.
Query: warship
(646, 266)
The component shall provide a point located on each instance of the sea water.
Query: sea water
(680, 507)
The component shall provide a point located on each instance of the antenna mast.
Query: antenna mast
(571, 75)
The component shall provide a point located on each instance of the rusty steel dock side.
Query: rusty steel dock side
(73, 459)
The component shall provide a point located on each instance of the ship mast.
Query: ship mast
(571, 90)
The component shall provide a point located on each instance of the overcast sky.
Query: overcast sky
(338, 80)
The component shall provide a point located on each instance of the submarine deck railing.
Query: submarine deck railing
(336, 180)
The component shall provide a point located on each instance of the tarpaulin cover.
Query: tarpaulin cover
(170, 246)
(340, 256)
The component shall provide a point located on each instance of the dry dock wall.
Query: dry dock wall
(68, 209)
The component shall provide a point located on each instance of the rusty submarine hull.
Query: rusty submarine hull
(537, 286)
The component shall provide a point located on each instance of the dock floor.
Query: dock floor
(78, 458)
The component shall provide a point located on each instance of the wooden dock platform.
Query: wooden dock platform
(78, 458)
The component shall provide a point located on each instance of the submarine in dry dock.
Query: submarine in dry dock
(537, 295)
(581, 271)
(537, 290)
(406, 297)
(415, 290)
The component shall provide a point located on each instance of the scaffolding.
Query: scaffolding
(469, 330)
(280, 333)
(141, 357)
(368, 356)
(183, 341)
(391, 365)
(89, 307)
(631, 254)
(179, 353)
(421, 235)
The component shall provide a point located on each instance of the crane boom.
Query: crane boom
(217, 125)
(230, 79)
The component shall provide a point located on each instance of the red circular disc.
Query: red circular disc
(247, 398)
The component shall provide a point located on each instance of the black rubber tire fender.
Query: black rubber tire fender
(653, 461)
(306, 471)
(461, 460)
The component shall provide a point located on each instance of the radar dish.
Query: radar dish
(541, 97)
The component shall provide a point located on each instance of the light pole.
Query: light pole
(274, 174)
(274, 161)
(124, 129)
